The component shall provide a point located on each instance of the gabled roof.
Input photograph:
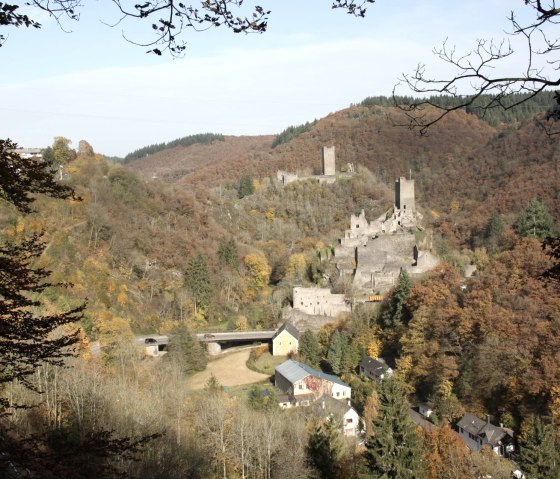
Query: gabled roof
(374, 366)
(295, 371)
(333, 405)
(494, 434)
(290, 328)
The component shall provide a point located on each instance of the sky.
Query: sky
(84, 81)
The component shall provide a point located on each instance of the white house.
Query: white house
(303, 384)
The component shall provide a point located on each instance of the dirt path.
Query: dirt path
(230, 370)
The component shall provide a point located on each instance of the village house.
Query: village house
(285, 341)
(304, 384)
(375, 368)
(477, 433)
(348, 418)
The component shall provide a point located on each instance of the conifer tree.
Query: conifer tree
(394, 451)
(310, 349)
(245, 186)
(336, 351)
(324, 449)
(395, 314)
(538, 454)
(197, 281)
(227, 253)
(535, 221)
(187, 351)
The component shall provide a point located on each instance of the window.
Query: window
(301, 386)
(338, 394)
(349, 420)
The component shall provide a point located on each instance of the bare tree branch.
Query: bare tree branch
(476, 78)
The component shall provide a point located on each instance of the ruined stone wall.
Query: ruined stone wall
(329, 161)
(319, 301)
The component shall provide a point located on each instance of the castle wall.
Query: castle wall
(319, 301)
(329, 162)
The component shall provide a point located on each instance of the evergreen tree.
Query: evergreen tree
(336, 351)
(538, 455)
(245, 186)
(309, 349)
(494, 230)
(393, 451)
(197, 281)
(535, 221)
(324, 449)
(186, 350)
(395, 313)
(227, 253)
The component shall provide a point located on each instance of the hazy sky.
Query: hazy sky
(91, 84)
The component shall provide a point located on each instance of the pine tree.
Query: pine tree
(310, 349)
(245, 187)
(187, 351)
(395, 314)
(393, 451)
(535, 221)
(538, 455)
(336, 350)
(324, 449)
(197, 281)
(494, 231)
(227, 253)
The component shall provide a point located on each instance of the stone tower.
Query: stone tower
(404, 195)
(329, 166)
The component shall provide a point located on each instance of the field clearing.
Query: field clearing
(230, 370)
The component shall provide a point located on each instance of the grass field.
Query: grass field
(266, 363)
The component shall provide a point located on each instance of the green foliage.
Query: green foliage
(342, 355)
(262, 399)
(309, 349)
(324, 449)
(394, 450)
(227, 253)
(535, 221)
(483, 107)
(292, 132)
(202, 138)
(395, 314)
(186, 350)
(245, 186)
(538, 453)
(494, 231)
(197, 280)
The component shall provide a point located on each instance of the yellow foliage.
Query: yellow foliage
(122, 298)
(20, 226)
(374, 348)
(297, 265)
(270, 214)
(555, 403)
(454, 206)
(241, 324)
(259, 269)
(10, 232)
(111, 287)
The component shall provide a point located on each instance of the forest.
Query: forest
(105, 252)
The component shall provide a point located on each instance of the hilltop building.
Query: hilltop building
(328, 170)
(374, 253)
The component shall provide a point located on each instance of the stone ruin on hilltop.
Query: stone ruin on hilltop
(374, 253)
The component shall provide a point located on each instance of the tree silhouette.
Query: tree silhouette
(479, 77)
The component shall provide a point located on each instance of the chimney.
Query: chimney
(487, 418)
(349, 402)
(323, 404)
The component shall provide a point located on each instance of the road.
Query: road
(230, 370)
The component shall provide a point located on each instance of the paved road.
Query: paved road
(230, 370)
(235, 336)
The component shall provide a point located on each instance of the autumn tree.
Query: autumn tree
(446, 454)
(394, 450)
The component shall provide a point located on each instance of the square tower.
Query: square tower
(329, 166)
(404, 195)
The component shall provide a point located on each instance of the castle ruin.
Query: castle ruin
(328, 167)
(374, 253)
